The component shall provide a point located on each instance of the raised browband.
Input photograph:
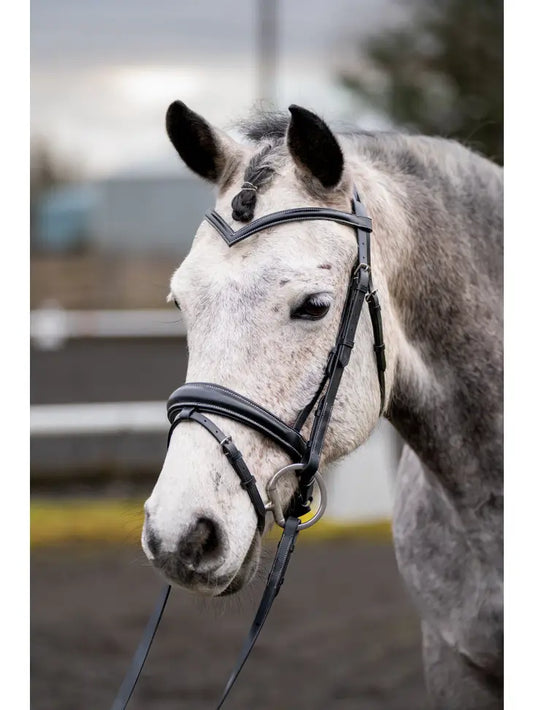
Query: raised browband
(297, 214)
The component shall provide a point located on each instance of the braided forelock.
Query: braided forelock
(258, 174)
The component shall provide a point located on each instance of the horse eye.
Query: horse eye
(176, 303)
(313, 308)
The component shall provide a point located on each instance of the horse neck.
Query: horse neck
(439, 273)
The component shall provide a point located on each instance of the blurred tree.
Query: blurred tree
(46, 169)
(442, 73)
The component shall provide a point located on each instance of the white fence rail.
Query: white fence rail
(51, 326)
(101, 418)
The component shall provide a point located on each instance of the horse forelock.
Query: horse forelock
(257, 175)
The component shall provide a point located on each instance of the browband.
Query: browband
(295, 214)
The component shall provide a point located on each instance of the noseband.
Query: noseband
(193, 400)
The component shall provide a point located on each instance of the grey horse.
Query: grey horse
(261, 318)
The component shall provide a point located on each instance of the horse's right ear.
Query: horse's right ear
(204, 149)
(313, 146)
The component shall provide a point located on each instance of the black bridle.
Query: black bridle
(194, 400)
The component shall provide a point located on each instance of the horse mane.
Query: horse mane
(272, 125)
(397, 149)
(268, 128)
(266, 125)
(433, 171)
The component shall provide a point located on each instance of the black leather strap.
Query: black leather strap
(306, 411)
(335, 358)
(379, 344)
(276, 578)
(209, 397)
(233, 454)
(341, 356)
(134, 671)
(297, 214)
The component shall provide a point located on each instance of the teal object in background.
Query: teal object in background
(63, 218)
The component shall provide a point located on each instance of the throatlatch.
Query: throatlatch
(193, 400)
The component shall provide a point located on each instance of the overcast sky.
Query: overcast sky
(103, 72)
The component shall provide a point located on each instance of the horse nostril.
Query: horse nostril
(153, 541)
(200, 543)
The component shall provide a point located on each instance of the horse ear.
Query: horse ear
(204, 149)
(313, 146)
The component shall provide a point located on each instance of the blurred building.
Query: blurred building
(63, 217)
(125, 213)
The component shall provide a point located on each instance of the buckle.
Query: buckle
(362, 267)
(223, 444)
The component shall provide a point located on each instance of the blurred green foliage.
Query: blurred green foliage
(440, 74)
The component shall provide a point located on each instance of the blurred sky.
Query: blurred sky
(104, 71)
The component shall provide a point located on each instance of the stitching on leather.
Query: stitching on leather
(283, 216)
(244, 399)
(217, 409)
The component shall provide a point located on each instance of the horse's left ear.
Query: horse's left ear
(206, 150)
(313, 146)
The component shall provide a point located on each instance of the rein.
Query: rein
(193, 400)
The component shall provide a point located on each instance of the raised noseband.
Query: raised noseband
(192, 400)
(215, 399)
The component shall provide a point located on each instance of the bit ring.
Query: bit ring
(274, 503)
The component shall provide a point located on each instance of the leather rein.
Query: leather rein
(193, 400)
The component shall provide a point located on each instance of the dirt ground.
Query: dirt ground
(342, 634)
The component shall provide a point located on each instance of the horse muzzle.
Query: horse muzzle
(198, 560)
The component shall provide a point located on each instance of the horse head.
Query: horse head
(261, 319)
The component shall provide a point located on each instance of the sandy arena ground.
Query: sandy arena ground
(342, 634)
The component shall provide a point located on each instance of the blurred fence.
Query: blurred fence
(52, 326)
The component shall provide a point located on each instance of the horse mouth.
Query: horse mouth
(247, 570)
(203, 583)
(208, 583)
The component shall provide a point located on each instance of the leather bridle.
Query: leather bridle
(194, 400)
